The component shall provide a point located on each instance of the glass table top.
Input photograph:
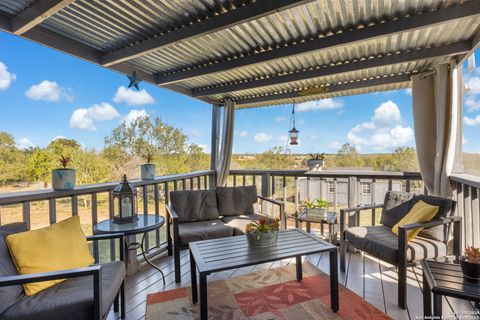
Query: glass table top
(145, 222)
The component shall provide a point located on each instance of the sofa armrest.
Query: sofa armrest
(111, 236)
(172, 228)
(95, 271)
(171, 212)
(281, 205)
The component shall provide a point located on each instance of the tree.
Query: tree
(11, 159)
(40, 166)
(64, 146)
(405, 159)
(347, 156)
(275, 158)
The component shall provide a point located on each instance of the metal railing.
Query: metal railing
(466, 190)
(152, 194)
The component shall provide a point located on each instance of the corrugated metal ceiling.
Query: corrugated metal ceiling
(108, 25)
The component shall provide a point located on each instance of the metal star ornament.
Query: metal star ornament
(134, 81)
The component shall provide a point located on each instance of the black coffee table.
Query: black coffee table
(446, 279)
(221, 254)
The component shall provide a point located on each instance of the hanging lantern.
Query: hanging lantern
(293, 133)
(124, 202)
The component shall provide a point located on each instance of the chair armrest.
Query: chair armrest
(371, 206)
(171, 212)
(427, 224)
(281, 205)
(95, 271)
(111, 236)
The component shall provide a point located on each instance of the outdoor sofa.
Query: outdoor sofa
(209, 214)
(87, 293)
(380, 242)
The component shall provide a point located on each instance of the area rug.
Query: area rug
(267, 294)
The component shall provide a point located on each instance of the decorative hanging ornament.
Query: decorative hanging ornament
(293, 133)
(134, 81)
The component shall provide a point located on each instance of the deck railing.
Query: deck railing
(466, 190)
(341, 188)
(99, 204)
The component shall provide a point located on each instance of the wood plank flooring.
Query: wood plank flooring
(373, 280)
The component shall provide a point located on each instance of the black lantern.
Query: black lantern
(124, 202)
(293, 133)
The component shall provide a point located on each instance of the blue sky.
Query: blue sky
(45, 94)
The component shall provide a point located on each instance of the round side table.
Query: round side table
(144, 224)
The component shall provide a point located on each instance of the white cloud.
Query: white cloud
(335, 145)
(282, 138)
(472, 104)
(135, 114)
(25, 143)
(383, 132)
(279, 118)
(197, 133)
(133, 97)
(48, 91)
(324, 104)
(464, 140)
(203, 146)
(471, 121)
(474, 85)
(313, 137)
(243, 134)
(262, 137)
(6, 77)
(408, 91)
(85, 118)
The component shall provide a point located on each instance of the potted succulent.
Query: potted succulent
(262, 233)
(470, 263)
(322, 205)
(316, 161)
(147, 170)
(63, 178)
(316, 207)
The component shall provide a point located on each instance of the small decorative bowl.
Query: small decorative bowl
(262, 239)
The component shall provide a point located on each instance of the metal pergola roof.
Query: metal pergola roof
(255, 53)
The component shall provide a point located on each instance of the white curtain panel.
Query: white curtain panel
(436, 115)
(225, 156)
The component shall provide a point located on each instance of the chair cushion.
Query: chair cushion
(71, 299)
(202, 230)
(238, 223)
(396, 205)
(9, 295)
(382, 243)
(60, 246)
(438, 233)
(236, 200)
(194, 205)
(420, 212)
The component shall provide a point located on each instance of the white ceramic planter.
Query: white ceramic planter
(147, 171)
(318, 212)
(63, 179)
(314, 164)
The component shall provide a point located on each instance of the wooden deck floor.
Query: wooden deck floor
(368, 277)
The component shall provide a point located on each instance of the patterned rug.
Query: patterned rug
(267, 294)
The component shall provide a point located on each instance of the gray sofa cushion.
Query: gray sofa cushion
(238, 223)
(438, 233)
(71, 299)
(9, 295)
(396, 205)
(197, 205)
(202, 230)
(382, 243)
(236, 200)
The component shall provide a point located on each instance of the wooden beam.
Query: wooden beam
(255, 10)
(363, 34)
(333, 88)
(384, 60)
(36, 13)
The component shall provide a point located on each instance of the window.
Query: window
(366, 188)
(331, 187)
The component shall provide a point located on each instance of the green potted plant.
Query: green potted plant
(470, 263)
(63, 178)
(316, 207)
(147, 170)
(262, 233)
(316, 161)
(322, 204)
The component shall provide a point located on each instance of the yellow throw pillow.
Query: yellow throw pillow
(420, 212)
(60, 246)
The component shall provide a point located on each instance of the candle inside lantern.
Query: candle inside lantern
(126, 207)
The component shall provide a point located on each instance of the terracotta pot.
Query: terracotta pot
(63, 179)
(262, 239)
(147, 171)
(470, 270)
